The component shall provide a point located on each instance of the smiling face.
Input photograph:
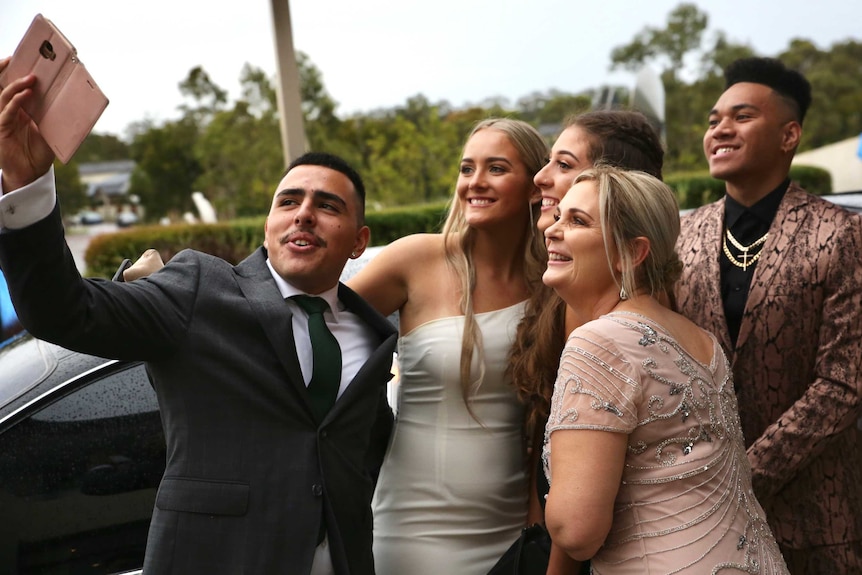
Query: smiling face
(313, 227)
(569, 157)
(751, 137)
(577, 262)
(494, 186)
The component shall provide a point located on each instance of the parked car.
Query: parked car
(850, 200)
(87, 218)
(126, 219)
(82, 452)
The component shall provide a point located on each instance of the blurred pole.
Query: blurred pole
(293, 141)
(648, 97)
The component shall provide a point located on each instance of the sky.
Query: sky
(378, 53)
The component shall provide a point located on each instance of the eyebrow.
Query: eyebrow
(489, 160)
(318, 195)
(572, 211)
(570, 154)
(736, 108)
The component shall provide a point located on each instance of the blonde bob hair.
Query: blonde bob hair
(637, 205)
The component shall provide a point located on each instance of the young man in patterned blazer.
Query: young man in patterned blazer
(776, 274)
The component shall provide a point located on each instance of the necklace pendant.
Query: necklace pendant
(747, 259)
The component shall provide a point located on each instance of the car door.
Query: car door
(79, 468)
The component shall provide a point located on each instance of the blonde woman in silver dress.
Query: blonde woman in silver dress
(643, 447)
(452, 493)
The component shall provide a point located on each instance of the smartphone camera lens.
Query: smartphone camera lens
(47, 51)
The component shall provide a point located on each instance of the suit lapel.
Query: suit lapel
(711, 233)
(382, 353)
(273, 314)
(781, 232)
(259, 288)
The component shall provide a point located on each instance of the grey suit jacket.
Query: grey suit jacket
(250, 473)
(797, 363)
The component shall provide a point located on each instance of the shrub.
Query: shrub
(694, 189)
(234, 241)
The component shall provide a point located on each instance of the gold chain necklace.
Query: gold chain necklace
(747, 259)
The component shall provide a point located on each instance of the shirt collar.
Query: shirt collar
(764, 210)
(287, 290)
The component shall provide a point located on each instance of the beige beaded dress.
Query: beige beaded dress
(685, 504)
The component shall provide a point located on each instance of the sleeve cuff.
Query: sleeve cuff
(26, 206)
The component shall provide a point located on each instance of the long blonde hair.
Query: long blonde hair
(459, 237)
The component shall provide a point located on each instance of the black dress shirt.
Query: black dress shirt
(747, 225)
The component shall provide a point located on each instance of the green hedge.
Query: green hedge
(235, 240)
(695, 189)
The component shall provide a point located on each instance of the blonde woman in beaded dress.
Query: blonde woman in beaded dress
(643, 447)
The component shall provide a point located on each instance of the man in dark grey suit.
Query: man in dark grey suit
(258, 481)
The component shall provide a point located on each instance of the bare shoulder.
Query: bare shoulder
(388, 280)
(415, 246)
(405, 255)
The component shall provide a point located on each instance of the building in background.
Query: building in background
(842, 160)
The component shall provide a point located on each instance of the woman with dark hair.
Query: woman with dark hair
(620, 138)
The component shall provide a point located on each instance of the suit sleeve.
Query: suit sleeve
(380, 434)
(138, 320)
(830, 404)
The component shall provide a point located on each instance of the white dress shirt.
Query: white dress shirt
(353, 335)
(26, 206)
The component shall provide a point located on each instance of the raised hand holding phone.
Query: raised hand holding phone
(24, 154)
(65, 102)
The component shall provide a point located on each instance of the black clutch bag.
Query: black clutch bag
(528, 555)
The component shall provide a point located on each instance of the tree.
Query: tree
(207, 97)
(239, 150)
(102, 148)
(166, 167)
(836, 88)
(681, 36)
(71, 192)
(553, 107)
(409, 155)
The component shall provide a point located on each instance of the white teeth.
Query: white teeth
(479, 202)
(301, 242)
(723, 150)
(557, 257)
(549, 202)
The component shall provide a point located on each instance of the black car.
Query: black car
(82, 452)
(850, 200)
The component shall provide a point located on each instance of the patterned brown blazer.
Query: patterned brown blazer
(796, 364)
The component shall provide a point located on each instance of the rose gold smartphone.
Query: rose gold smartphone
(66, 102)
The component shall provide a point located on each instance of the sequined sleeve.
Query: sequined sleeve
(596, 387)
